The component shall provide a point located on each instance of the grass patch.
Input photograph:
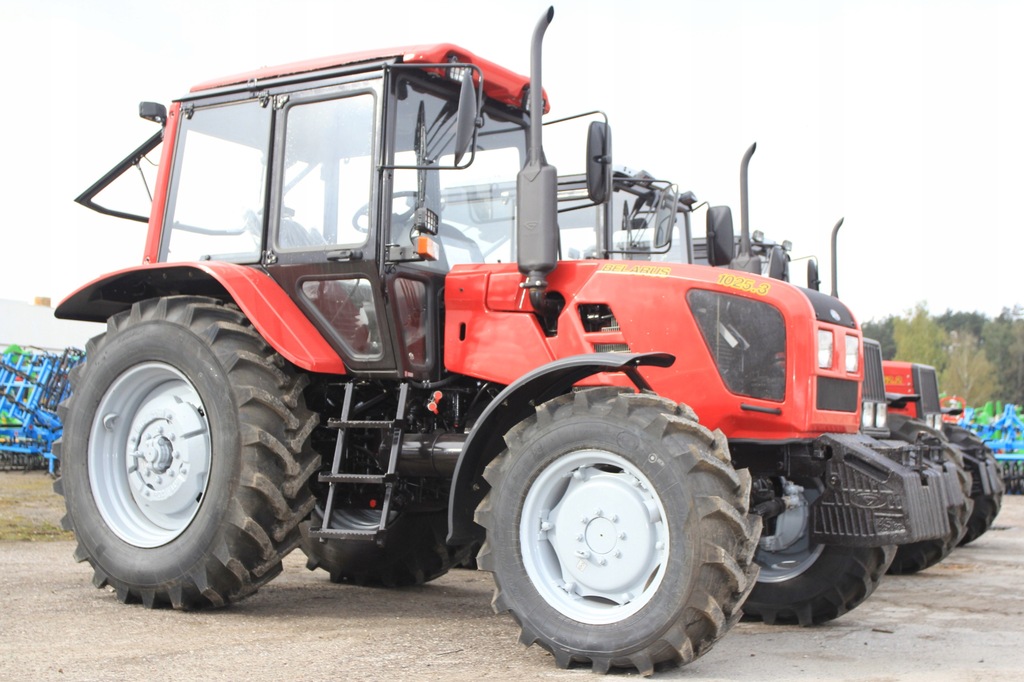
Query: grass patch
(29, 509)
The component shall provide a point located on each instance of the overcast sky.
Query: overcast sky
(904, 117)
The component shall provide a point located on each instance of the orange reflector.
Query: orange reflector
(426, 248)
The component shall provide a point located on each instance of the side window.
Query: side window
(328, 173)
(346, 305)
(215, 204)
(475, 206)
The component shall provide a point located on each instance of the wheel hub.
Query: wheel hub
(598, 541)
(788, 552)
(601, 535)
(149, 455)
(606, 550)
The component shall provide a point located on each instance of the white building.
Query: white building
(32, 325)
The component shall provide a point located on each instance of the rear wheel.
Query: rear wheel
(185, 455)
(617, 531)
(805, 583)
(414, 551)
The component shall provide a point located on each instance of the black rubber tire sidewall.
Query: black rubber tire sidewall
(839, 580)
(677, 493)
(162, 341)
(414, 552)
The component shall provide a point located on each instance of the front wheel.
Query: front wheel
(617, 531)
(917, 556)
(185, 455)
(806, 583)
(982, 463)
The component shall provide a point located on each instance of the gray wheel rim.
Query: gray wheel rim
(594, 537)
(149, 455)
(796, 553)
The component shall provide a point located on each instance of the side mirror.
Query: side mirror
(153, 111)
(599, 162)
(721, 238)
(813, 281)
(465, 119)
(665, 218)
(778, 263)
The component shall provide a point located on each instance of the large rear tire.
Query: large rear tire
(804, 583)
(185, 455)
(617, 531)
(414, 551)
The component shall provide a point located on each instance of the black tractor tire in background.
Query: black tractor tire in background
(617, 531)
(185, 455)
(986, 506)
(917, 556)
(808, 584)
(414, 550)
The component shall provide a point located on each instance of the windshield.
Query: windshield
(475, 206)
(631, 218)
(217, 190)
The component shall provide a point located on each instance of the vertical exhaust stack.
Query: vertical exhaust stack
(537, 191)
(744, 203)
(744, 259)
(835, 258)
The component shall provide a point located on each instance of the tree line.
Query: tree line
(976, 357)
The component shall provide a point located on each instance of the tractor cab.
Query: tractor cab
(355, 183)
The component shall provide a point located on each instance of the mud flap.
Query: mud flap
(879, 493)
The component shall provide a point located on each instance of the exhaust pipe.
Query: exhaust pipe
(537, 192)
(835, 257)
(744, 204)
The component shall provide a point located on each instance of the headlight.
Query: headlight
(867, 417)
(881, 416)
(852, 353)
(824, 348)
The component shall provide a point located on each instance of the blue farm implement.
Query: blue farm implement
(1005, 436)
(32, 385)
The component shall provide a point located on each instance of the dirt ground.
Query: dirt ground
(960, 620)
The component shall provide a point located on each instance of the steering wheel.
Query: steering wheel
(361, 219)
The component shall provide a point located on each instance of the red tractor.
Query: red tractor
(913, 392)
(790, 564)
(352, 319)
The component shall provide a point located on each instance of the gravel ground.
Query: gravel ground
(959, 620)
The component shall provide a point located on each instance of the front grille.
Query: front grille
(747, 340)
(839, 395)
(927, 387)
(874, 376)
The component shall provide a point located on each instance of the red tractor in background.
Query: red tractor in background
(788, 560)
(969, 482)
(913, 392)
(923, 450)
(352, 317)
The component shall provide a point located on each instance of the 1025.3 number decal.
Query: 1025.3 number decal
(744, 284)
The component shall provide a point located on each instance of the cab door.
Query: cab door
(322, 244)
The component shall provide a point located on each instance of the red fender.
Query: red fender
(272, 312)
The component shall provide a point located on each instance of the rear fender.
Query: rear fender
(272, 312)
(514, 404)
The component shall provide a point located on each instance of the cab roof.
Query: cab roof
(499, 83)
